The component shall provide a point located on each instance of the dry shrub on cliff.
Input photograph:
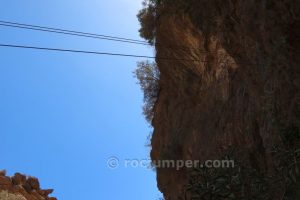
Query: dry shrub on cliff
(148, 75)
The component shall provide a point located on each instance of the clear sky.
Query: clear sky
(62, 114)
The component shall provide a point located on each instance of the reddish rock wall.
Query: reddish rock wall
(22, 187)
(241, 90)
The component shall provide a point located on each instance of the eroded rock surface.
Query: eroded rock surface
(235, 83)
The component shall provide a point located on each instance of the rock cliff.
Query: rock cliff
(233, 81)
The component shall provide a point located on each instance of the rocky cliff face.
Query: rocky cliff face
(234, 83)
(21, 187)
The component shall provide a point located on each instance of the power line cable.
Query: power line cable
(72, 31)
(118, 54)
(92, 35)
(94, 52)
(96, 36)
(74, 34)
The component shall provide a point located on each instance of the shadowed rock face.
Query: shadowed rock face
(242, 91)
(21, 187)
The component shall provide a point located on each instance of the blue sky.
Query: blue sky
(62, 114)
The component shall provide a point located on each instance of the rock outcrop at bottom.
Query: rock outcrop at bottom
(22, 187)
